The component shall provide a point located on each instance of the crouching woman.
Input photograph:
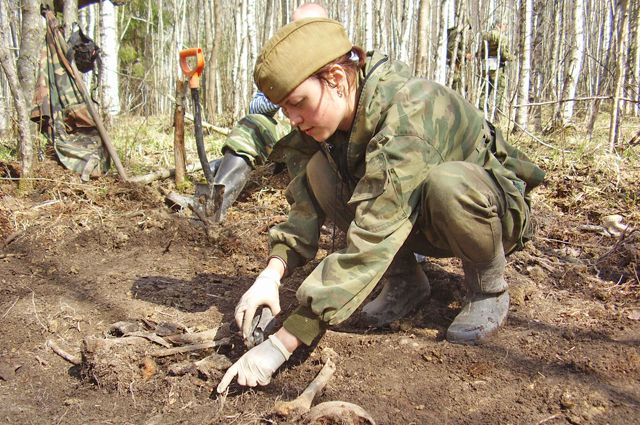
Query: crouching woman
(403, 165)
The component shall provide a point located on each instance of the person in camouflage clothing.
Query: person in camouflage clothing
(494, 54)
(400, 163)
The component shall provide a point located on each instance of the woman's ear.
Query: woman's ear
(336, 76)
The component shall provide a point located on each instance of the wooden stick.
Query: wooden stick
(221, 130)
(178, 135)
(189, 348)
(577, 99)
(162, 173)
(59, 351)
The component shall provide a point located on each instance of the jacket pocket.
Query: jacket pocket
(378, 195)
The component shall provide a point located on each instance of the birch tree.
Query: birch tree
(70, 16)
(522, 113)
(368, 25)
(614, 126)
(441, 61)
(109, 44)
(25, 143)
(241, 61)
(575, 63)
(31, 37)
(636, 65)
(4, 110)
(420, 61)
(602, 59)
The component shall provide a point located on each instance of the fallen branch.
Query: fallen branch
(221, 130)
(59, 351)
(190, 348)
(577, 99)
(162, 173)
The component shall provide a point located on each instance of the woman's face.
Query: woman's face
(317, 109)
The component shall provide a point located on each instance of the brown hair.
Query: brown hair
(351, 67)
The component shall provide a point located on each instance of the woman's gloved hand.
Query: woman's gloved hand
(264, 291)
(257, 365)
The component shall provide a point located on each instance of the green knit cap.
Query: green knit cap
(296, 52)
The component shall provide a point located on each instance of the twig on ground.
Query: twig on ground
(9, 309)
(189, 348)
(59, 351)
(35, 310)
(550, 418)
(12, 237)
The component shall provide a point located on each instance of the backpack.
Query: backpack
(83, 50)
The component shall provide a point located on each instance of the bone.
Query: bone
(338, 412)
(190, 348)
(302, 404)
(59, 351)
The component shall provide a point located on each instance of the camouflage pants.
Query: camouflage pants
(254, 136)
(462, 212)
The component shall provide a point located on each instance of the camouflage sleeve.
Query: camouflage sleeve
(296, 240)
(254, 137)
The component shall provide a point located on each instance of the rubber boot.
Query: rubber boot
(488, 302)
(230, 178)
(404, 288)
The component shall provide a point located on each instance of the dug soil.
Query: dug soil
(77, 258)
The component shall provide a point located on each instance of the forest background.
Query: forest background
(572, 59)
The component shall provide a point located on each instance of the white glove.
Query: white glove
(257, 365)
(264, 291)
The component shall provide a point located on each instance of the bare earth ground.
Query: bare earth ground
(76, 258)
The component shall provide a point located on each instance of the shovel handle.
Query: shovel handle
(193, 74)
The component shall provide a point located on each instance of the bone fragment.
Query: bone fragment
(59, 351)
(302, 404)
(338, 412)
(190, 348)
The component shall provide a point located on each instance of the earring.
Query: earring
(339, 92)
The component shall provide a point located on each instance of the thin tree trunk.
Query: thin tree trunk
(614, 126)
(4, 108)
(575, 63)
(558, 54)
(604, 60)
(70, 16)
(537, 65)
(407, 31)
(441, 61)
(636, 66)
(30, 44)
(368, 25)
(420, 60)
(522, 114)
(25, 144)
(109, 47)
(178, 135)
